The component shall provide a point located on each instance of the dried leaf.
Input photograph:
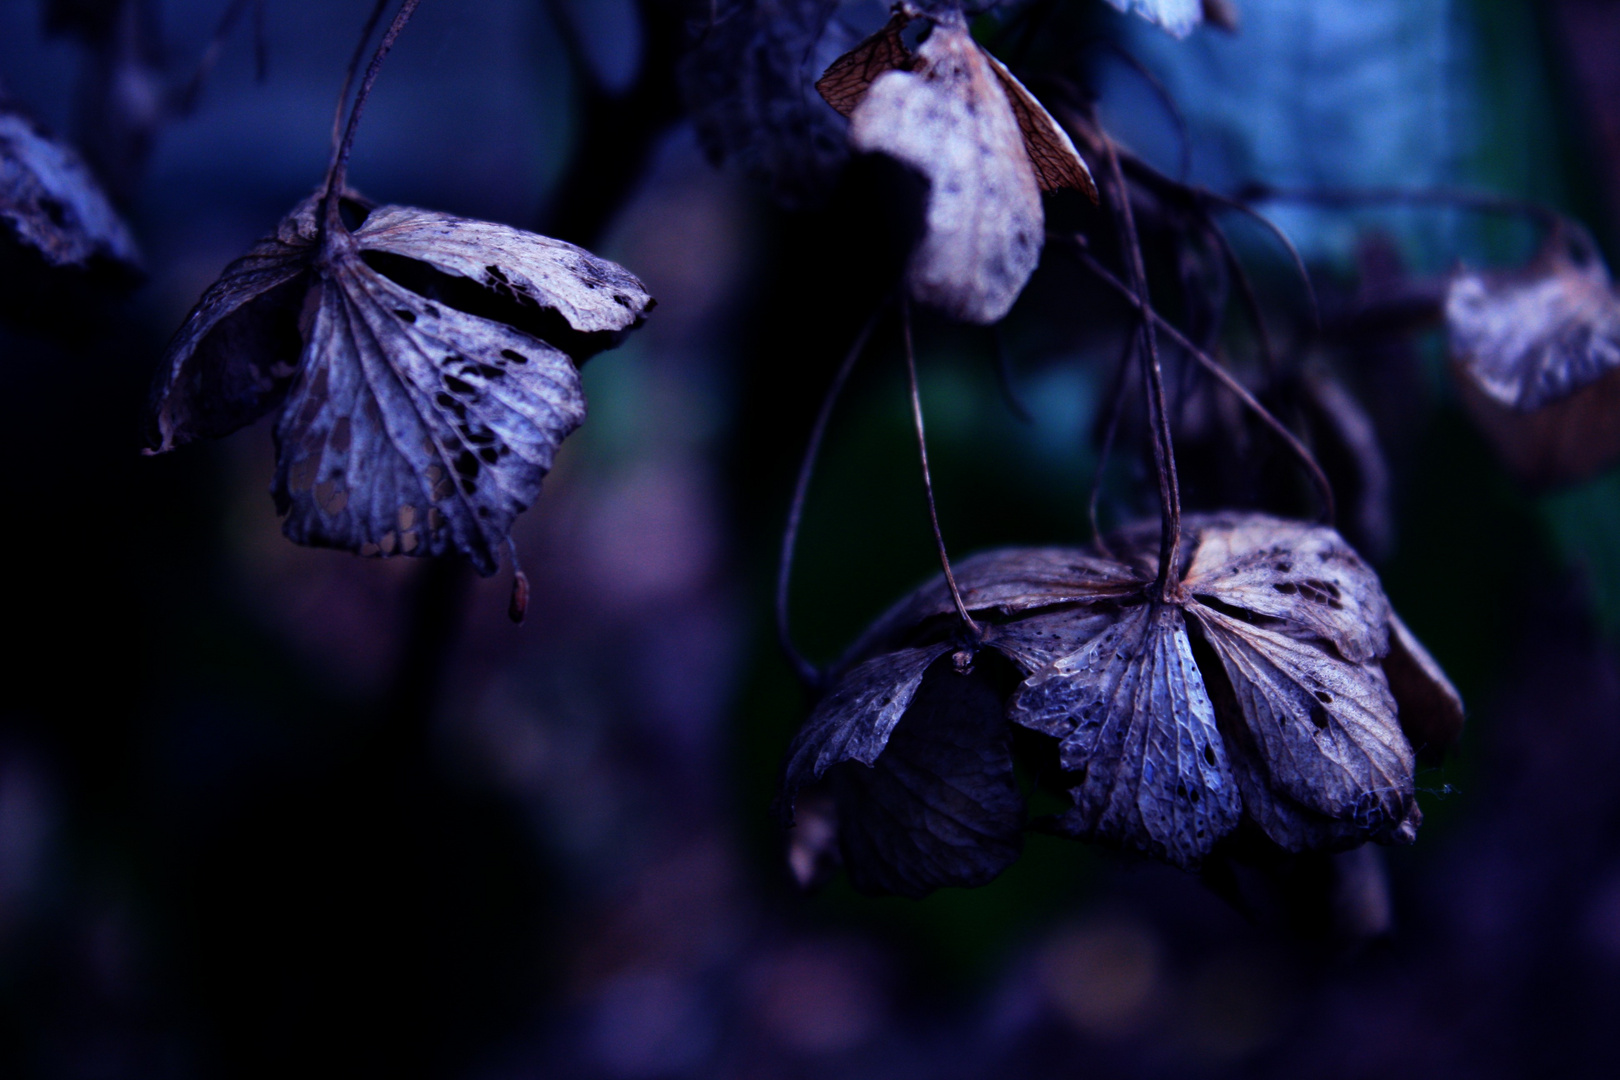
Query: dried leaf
(1177, 16)
(847, 80)
(1431, 709)
(950, 120)
(1257, 692)
(987, 148)
(1057, 163)
(940, 806)
(1537, 355)
(853, 722)
(1305, 576)
(416, 367)
(1323, 730)
(50, 203)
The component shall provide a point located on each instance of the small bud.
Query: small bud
(518, 606)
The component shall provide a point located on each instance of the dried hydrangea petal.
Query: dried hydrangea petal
(1304, 575)
(940, 806)
(950, 120)
(1176, 16)
(1430, 707)
(853, 722)
(416, 429)
(232, 360)
(1324, 729)
(1134, 722)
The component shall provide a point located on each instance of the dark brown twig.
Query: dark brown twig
(1226, 378)
(927, 476)
(809, 674)
(338, 138)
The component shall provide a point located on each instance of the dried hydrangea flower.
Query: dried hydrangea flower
(51, 204)
(424, 367)
(988, 149)
(1276, 688)
(1536, 353)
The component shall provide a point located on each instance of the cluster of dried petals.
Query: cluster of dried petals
(50, 203)
(424, 367)
(1536, 353)
(1275, 690)
(987, 148)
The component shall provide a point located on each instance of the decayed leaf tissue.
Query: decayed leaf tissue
(1277, 691)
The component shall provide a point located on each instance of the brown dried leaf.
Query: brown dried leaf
(1431, 709)
(1005, 582)
(1134, 722)
(50, 203)
(1057, 163)
(950, 120)
(847, 79)
(427, 397)
(1537, 356)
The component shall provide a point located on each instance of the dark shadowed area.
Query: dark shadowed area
(272, 810)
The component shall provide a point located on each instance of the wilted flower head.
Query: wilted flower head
(1276, 690)
(1537, 355)
(423, 367)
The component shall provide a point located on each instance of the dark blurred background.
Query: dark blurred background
(268, 811)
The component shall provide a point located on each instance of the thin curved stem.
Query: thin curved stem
(1251, 301)
(809, 674)
(348, 79)
(1116, 406)
(1162, 92)
(1226, 378)
(340, 163)
(187, 99)
(1164, 456)
(927, 476)
(1282, 237)
(1004, 378)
